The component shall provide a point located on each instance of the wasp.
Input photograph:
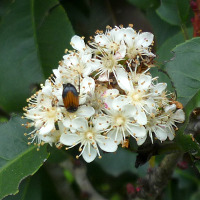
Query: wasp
(70, 97)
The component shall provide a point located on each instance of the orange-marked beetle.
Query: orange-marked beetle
(70, 97)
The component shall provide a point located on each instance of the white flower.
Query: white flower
(137, 43)
(89, 137)
(138, 94)
(44, 111)
(83, 111)
(162, 124)
(122, 120)
(73, 67)
(172, 116)
(155, 126)
(96, 98)
(111, 42)
(52, 137)
(109, 50)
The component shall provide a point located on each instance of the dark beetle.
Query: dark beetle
(70, 97)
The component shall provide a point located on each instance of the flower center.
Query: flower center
(52, 112)
(89, 135)
(120, 120)
(132, 52)
(114, 46)
(136, 96)
(109, 62)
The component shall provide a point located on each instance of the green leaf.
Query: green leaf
(120, 162)
(161, 29)
(17, 159)
(33, 36)
(20, 65)
(174, 12)
(184, 71)
(196, 196)
(29, 189)
(164, 52)
(54, 32)
(144, 4)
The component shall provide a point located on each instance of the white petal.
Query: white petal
(85, 111)
(80, 124)
(170, 133)
(129, 110)
(140, 116)
(89, 153)
(47, 90)
(67, 122)
(179, 115)
(101, 123)
(103, 77)
(120, 101)
(144, 39)
(122, 79)
(51, 137)
(170, 108)
(161, 133)
(61, 127)
(47, 127)
(116, 138)
(129, 36)
(144, 82)
(118, 35)
(137, 131)
(69, 139)
(87, 85)
(86, 58)
(107, 145)
(140, 141)
(111, 92)
(89, 68)
(78, 43)
(56, 72)
(150, 105)
(102, 40)
(121, 51)
(159, 88)
(82, 99)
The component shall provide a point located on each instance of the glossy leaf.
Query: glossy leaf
(30, 47)
(143, 4)
(20, 64)
(17, 159)
(54, 32)
(174, 12)
(161, 29)
(120, 162)
(184, 71)
(29, 189)
(164, 53)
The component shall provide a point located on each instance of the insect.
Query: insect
(70, 97)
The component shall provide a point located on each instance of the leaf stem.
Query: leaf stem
(185, 32)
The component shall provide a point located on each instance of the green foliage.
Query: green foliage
(113, 165)
(17, 159)
(185, 64)
(174, 12)
(26, 47)
(19, 57)
(33, 37)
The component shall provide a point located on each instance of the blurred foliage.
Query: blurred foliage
(33, 37)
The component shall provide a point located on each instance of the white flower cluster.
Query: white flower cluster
(101, 95)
